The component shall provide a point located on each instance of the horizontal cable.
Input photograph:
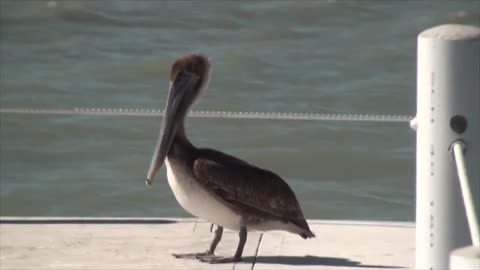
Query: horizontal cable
(213, 114)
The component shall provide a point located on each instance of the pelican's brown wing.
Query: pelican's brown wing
(247, 189)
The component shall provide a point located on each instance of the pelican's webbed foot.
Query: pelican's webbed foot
(209, 256)
(238, 253)
(203, 255)
(198, 255)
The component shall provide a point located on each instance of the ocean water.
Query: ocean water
(269, 56)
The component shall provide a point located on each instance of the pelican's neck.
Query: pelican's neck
(181, 145)
(181, 135)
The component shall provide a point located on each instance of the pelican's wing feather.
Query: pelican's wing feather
(246, 188)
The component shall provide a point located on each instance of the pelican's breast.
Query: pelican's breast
(197, 201)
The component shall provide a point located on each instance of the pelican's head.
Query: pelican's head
(189, 76)
(197, 65)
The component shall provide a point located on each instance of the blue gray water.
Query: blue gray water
(272, 56)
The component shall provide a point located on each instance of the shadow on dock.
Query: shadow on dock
(314, 260)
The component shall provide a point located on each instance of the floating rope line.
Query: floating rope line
(214, 114)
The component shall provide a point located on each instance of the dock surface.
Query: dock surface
(147, 243)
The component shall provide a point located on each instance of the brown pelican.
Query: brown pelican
(214, 186)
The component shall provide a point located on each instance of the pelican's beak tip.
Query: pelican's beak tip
(148, 183)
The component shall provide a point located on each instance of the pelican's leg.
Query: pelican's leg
(216, 239)
(238, 253)
(208, 253)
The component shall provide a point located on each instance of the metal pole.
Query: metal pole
(448, 109)
(458, 149)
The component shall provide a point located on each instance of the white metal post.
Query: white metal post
(448, 109)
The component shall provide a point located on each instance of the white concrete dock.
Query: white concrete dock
(110, 243)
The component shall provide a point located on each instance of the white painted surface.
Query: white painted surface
(447, 85)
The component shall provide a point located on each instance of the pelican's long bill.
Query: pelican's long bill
(181, 90)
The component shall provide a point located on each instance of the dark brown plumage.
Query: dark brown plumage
(241, 189)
